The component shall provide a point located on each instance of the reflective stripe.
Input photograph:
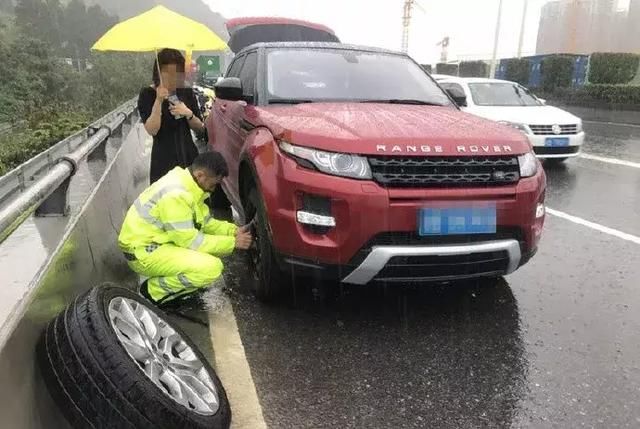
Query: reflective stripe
(207, 219)
(185, 282)
(164, 191)
(144, 210)
(197, 242)
(163, 284)
(176, 226)
(144, 214)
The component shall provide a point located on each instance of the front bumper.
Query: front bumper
(381, 256)
(375, 235)
(543, 151)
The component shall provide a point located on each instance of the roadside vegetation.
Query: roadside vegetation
(52, 84)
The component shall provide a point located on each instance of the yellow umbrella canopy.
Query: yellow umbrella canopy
(159, 28)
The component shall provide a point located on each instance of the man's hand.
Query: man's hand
(180, 109)
(245, 228)
(162, 93)
(243, 239)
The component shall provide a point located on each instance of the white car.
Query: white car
(554, 133)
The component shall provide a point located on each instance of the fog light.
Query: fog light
(307, 218)
(540, 211)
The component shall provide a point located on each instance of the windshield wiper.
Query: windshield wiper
(404, 101)
(289, 101)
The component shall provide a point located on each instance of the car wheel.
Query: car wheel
(271, 282)
(111, 360)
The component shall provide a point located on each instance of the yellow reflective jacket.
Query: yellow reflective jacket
(172, 210)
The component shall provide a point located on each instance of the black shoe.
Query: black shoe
(143, 291)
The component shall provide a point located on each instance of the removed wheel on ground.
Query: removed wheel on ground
(111, 360)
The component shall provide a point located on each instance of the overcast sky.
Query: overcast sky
(469, 23)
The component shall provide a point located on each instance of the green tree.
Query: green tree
(518, 70)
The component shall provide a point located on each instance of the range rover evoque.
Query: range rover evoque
(357, 166)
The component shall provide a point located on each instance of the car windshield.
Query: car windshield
(501, 94)
(348, 75)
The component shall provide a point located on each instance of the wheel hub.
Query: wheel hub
(163, 355)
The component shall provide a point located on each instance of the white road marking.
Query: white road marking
(595, 226)
(610, 160)
(234, 372)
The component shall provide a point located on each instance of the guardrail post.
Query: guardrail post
(56, 204)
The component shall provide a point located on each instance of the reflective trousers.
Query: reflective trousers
(174, 271)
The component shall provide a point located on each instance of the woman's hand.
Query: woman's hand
(162, 93)
(180, 109)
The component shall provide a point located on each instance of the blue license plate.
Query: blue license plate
(556, 142)
(456, 221)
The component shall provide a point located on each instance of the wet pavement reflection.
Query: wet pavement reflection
(446, 356)
(554, 345)
(613, 141)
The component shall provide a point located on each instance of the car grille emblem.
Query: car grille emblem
(557, 129)
(499, 175)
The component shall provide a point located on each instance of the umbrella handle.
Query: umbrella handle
(158, 65)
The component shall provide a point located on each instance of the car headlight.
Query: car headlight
(336, 164)
(519, 127)
(528, 165)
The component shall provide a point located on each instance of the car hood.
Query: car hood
(244, 32)
(530, 115)
(411, 130)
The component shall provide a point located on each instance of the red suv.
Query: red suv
(357, 166)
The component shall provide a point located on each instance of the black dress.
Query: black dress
(173, 145)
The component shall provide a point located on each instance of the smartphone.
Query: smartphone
(174, 100)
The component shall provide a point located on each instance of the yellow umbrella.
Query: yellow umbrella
(160, 28)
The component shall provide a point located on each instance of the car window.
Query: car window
(348, 75)
(501, 94)
(234, 68)
(249, 73)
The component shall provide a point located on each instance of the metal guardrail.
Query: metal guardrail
(40, 185)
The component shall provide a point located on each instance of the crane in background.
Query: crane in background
(406, 22)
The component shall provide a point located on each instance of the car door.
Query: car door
(236, 113)
(230, 121)
(219, 124)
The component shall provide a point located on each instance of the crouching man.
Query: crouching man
(170, 237)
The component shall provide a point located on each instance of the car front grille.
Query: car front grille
(563, 150)
(547, 130)
(407, 172)
(434, 268)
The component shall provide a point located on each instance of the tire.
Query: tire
(271, 282)
(97, 383)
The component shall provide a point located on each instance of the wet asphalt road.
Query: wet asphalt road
(557, 344)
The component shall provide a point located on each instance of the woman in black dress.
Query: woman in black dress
(168, 120)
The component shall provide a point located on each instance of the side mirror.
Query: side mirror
(543, 101)
(229, 89)
(458, 96)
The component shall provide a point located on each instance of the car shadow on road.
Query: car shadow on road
(396, 356)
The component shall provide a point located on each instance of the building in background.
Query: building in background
(632, 34)
(587, 26)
